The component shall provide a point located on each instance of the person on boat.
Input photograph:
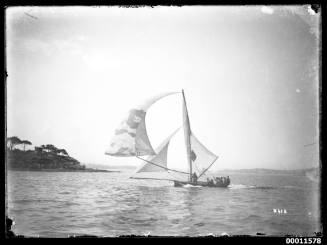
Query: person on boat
(219, 181)
(195, 178)
(228, 180)
(211, 182)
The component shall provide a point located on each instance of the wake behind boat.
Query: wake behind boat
(131, 140)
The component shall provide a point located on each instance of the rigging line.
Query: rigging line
(171, 174)
(208, 167)
(177, 177)
(161, 166)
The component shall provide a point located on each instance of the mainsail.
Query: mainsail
(199, 158)
(130, 137)
(187, 133)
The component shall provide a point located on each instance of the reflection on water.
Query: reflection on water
(110, 204)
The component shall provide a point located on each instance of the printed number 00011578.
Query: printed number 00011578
(301, 240)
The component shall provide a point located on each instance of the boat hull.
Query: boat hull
(200, 183)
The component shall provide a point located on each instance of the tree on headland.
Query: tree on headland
(43, 157)
(48, 148)
(52, 148)
(43, 148)
(62, 151)
(13, 141)
(38, 149)
(25, 142)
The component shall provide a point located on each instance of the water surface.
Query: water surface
(58, 204)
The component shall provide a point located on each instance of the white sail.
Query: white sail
(130, 137)
(158, 163)
(199, 158)
(202, 159)
(187, 132)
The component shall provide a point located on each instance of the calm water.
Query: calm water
(58, 204)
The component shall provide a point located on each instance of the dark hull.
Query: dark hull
(199, 183)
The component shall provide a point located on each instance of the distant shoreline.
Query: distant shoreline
(301, 172)
(63, 170)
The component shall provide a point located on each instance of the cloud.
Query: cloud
(96, 62)
(73, 46)
(68, 46)
(267, 10)
(36, 45)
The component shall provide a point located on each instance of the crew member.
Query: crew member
(195, 178)
(211, 182)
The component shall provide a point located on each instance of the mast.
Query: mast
(187, 132)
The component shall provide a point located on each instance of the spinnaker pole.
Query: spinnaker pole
(168, 169)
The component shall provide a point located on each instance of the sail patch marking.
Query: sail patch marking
(193, 156)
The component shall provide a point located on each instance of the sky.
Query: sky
(250, 76)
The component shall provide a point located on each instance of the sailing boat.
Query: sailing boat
(131, 140)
